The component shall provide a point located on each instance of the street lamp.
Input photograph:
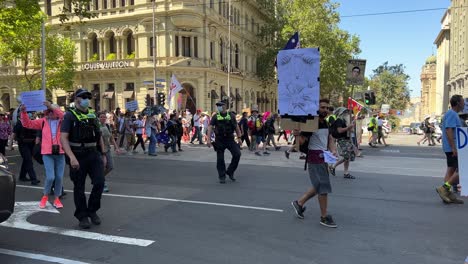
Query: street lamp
(154, 52)
(229, 56)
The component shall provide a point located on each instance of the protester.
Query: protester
(341, 130)
(106, 132)
(51, 150)
(5, 133)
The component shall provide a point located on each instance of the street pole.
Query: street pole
(229, 56)
(43, 59)
(154, 55)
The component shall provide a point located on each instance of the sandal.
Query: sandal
(332, 171)
(349, 176)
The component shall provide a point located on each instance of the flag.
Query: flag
(293, 43)
(354, 105)
(174, 88)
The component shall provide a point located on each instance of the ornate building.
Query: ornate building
(442, 42)
(458, 73)
(114, 53)
(429, 95)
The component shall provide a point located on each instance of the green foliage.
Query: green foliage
(130, 56)
(95, 57)
(390, 84)
(111, 56)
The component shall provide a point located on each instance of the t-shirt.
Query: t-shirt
(341, 123)
(196, 120)
(139, 127)
(106, 135)
(243, 125)
(215, 123)
(379, 122)
(53, 129)
(206, 122)
(450, 120)
(319, 139)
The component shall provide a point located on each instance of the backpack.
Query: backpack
(334, 129)
(422, 126)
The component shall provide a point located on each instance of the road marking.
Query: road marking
(39, 257)
(25, 209)
(390, 150)
(175, 200)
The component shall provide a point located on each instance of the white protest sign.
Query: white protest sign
(131, 106)
(385, 109)
(34, 100)
(466, 106)
(462, 146)
(299, 82)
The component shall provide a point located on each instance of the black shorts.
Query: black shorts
(451, 160)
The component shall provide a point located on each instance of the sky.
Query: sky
(406, 38)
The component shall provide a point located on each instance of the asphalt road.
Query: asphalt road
(389, 215)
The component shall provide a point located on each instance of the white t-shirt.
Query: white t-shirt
(196, 120)
(380, 122)
(206, 122)
(138, 124)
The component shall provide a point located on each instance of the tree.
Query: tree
(20, 40)
(390, 84)
(317, 23)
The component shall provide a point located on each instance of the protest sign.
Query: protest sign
(355, 72)
(131, 106)
(34, 100)
(462, 146)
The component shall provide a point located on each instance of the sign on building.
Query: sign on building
(355, 72)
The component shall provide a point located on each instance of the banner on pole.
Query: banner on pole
(354, 106)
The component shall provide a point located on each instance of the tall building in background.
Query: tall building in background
(442, 42)
(429, 95)
(458, 73)
(114, 52)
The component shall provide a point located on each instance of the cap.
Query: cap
(82, 92)
(220, 103)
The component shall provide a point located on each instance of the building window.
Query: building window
(49, 7)
(151, 46)
(104, 4)
(112, 43)
(186, 47)
(221, 51)
(95, 45)
(129, 86)
(132, 2)
(114, 3)
(130, 44)
(220, 7)
(211, 3)
(110, 87)
(67, 6)
(177, 46)
(195, 47)
(96, 4)
(122, 3)
(236, 62)
(212, 51)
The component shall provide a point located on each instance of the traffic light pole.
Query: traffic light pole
(154, 54)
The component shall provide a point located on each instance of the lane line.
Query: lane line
(39, 257)
(174, 200)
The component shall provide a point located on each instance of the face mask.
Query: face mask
(84, 103)
(220, 108)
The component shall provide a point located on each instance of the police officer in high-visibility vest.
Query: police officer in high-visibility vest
(82, 142)
(225, 125)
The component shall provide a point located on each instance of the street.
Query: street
(175, 206)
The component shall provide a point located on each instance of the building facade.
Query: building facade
(442, 42)
(115, 51)
(458, 73)
(429, 96)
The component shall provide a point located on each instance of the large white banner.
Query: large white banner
(299, 82)
(462, 146)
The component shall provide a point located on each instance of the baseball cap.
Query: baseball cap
(83, 93)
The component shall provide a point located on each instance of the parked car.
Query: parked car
(7, 190)
(415, 128)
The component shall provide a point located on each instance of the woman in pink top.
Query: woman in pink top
(51, 149)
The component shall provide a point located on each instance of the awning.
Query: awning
(128, 94)
(108, 95)
(238, 97)
(214, 95)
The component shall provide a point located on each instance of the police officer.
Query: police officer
(82, 142)
(224, 125)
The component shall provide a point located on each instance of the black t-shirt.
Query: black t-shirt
(243, 125)
(341, 123)
(216, 124)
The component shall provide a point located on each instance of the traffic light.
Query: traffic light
(372, 98)
(161, 99)
(367, 98)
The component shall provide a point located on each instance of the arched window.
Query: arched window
(112, 42)
(221, 51)
(95, 45)
(236, 61)
(130, 44)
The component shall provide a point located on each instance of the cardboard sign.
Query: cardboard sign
(355, 72)
(131, 106)
(310, 125)
(34, 100)
(462, 146)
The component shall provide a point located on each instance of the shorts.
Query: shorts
(452, 162)
(319, 177)
(259, 139)
(346, 149)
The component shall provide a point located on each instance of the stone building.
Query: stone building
(442, 42)
(114, 53)
(429, 95)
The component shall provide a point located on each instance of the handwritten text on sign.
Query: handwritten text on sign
(462, 146)
(33, 100)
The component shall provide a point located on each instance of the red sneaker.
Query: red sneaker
(57, 203)
(43, 202)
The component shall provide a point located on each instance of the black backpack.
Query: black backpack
(334, 129)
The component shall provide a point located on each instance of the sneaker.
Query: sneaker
(231, 176)
(286, 153)
(95, 219)
(58, 204)
(258, 153)
(44, 201)
(153, 154)
(222, 181)
(134, 152)
(84, 223)
(332, 171)
(444, 193)
(277, 148)
(106, 188)
(302, 157)
(180, 150)
(145, 152)
(347, 176)
(266, 153)
(328, 221)
(35, 182)
(298, 209)
(454, 199)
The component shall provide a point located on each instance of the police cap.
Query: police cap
(83, 93)
(220, 103)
